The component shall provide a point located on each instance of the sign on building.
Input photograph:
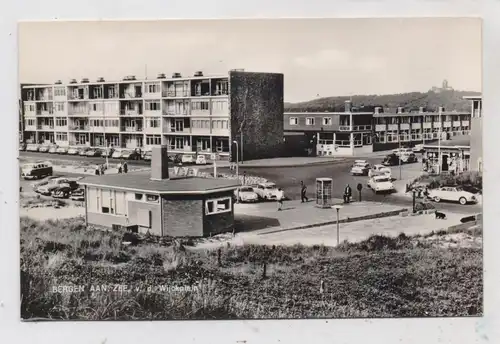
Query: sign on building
(185, 171)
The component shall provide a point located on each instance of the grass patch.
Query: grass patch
(379, 277)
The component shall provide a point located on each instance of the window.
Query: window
(59, 91)
(153, 140)
(153, 88)
(217, 206)
(153, 123)
(294, 121)
(327, 121)
(310, 121)
(30, 122)
(219, 105)
(219, 124)
(61, 137)
(199, 105)
(152, 198)
(61, 122)
(138, 197)
(59, 107)
(153, 105)
(95, 107)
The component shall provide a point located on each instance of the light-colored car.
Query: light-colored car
(380, 183)
(378, 170)
(201, 160)
(52, 185)
(83, 151)
(360, 168)
(117, 154)
(148, 155)
(398, 151)
(267, 191)
(418, 148)
(32, 147)
(246, 194)
(44, 149)
(187, 159)
(53, 149)
(452, 193)
(62, 150)
(93, 152)
(73, 151)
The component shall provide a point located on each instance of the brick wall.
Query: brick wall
(218, 223)
(256, 105)
(182, 215)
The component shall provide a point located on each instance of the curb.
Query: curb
(317, 163)
(348, 220)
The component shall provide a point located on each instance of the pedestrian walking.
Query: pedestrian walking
(120, 168)
(280, 196)
(347, 194)
(125, 167)
(303, 191)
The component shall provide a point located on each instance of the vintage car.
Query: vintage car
(130, 154)
(418, 148)
(44, 149)
(408, 158)
(267, 191)
(73, 151)
(187, 159)
(147, 156)
(380, 183)
(391, 160)
(452, 193)
(246, 194)
(201, 160)
(360, 168)
(377, 170)
(83, 151)
(36, 171)
(117, 153)
(32, 147)
(56, 183)
(107, 152)
(63, 191)
(53, 150)
(78, 195)
(92, 152)
(62, 150)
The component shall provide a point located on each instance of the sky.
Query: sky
(318, 57)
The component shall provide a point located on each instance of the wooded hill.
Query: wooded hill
(430, 101)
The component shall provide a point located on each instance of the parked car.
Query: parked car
(53, 149)
(391, 160)
(32, 147)
(62, 191)
(267, 191)
(22, 146)
(117, 153)
(36, 185)
(144, 152)
(177, 159)
(187, 159)
(418, 148)
(360, 168)
(380, 170)
(380, 183)
(83, 151)
(44, 149)
(73, 151)
(92, 152)
(36, 171)
(201, 160)
(62, 150)
(78, 195)
(55, 183)
(130, 155)
(246, 194)
(452, 193)
(147, 156)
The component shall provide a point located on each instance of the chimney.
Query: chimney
(421, 109)
(377, 109)
(159, 163)
(400, 109)
(347, 106)
(441, 109)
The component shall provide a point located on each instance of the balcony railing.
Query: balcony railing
(345, 128)
(45, 127)
(184, 130)
(130, 113)
(173, 94)
(132, 129)
(79, 127)
(221, 93)
(362, 127)
(176, 113)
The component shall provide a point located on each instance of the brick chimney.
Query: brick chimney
(377, 109)
(347, 106)
(421, 109)
(400, 109)
(159, 163)
(441, 109)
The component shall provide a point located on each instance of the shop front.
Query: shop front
(450, 157)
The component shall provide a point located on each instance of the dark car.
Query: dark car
(61, 192)
(78, 195)
(107, 152)
(391, 160)
(131, 155)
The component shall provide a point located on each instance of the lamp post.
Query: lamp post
(237, 158)
(338, 207)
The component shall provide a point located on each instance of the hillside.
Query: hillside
(450, 99)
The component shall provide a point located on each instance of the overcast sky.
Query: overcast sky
(325, 57)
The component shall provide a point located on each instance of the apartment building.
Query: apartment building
(194, 114)
(354, 132)
(476, 134)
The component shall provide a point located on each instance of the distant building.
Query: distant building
(193, 114)
(157, 204)
(444, 87)
(353, 133)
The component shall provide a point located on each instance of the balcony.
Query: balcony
(152, 130)
(175, 94)
(392, 127)
(79, 128)
(416, 125)
(136, 129)
(183, 131)
(447, 124)
(465, 123)
(404, 126)
(44, 113)
(45, 127)
(427, 125)
(457, 123)
(178, 112)
(345, 128)
(436, 125)
(133, 113)
(380, 127)
(362, 127)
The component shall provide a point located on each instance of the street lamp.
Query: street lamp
(237, 158)
(338, 207)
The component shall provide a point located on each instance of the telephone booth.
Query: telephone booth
(324, 192)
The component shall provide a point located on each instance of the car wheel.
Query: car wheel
(436, 199)
(462, 200)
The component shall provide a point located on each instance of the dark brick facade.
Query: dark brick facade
(256, 108)
(183, 215)
(218, 223)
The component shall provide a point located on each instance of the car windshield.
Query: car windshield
(246, 190)
(272, 186)
(382, 180)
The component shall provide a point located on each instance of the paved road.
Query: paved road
(289, 179)
(94, 160)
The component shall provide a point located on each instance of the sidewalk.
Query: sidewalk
(286, 162)
(263, 218)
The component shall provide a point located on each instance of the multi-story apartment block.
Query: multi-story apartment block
(476, 134)
(203, 114)
(351, 133)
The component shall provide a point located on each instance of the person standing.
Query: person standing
(120, 168)
(125, 167)
(303, 190)
(347, 194)
(280, 197)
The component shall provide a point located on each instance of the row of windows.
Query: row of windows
(30, 122)
(205, 124)
(59, 91)
(153, 140)
(311, 121)
(152, 88)
(390, 120)
(152, 105)
(61, 122)
(104, 123)
(153, 123)
(199, 105)
(61, 137)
